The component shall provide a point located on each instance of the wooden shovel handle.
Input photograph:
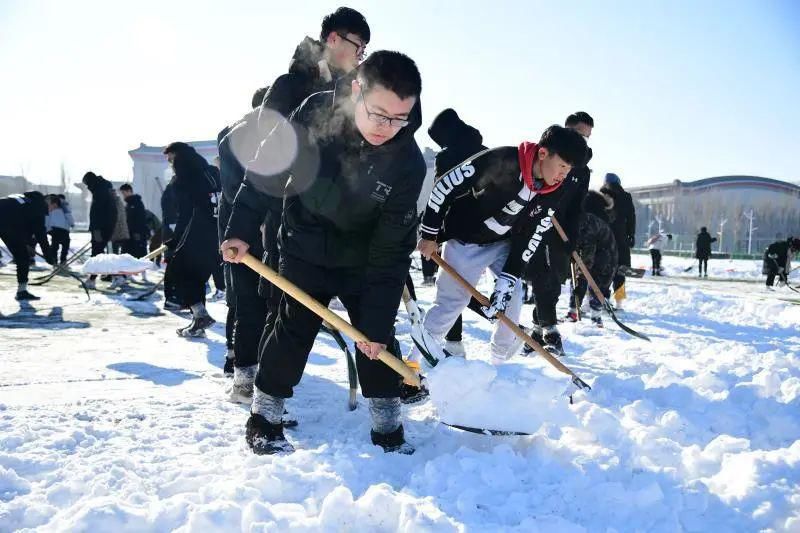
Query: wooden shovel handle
(503, 318)
(325, 314)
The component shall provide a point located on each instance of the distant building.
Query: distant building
(683, 207)
(151, 171)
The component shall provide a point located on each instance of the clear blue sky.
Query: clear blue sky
(679, 90)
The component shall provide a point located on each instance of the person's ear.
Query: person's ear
(355, 90)
(542, 153)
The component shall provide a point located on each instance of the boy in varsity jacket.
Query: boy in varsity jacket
(492, 211)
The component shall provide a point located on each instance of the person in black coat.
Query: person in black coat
(702, 252)
(347, 229)
(102, 215)
(597, 247)
(247, 309)
(194, 241)
(623, 223)
(137, 222)
(22, 218)
(548, 271)
(777, 260)
(315, 66)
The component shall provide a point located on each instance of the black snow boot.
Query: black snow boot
(25, 296)
(535, 334)
(198, 327)
(265, 438)
(393, 442)
(553, 344)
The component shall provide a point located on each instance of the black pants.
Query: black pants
(285, 349)
(429, 268)
(19, 251)
(250, 314)
(118, 246)
(137, 248)
(702, 265)
(546, 290)
(59, 237)
(98, 247)
(582, 286)
(219, 276)
(655, 255)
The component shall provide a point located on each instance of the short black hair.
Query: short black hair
(566, 143)
(258, 97)
(578, 118)
(54, 199)
(395, 71)
(343, 21)
(62, 197)
(126, 187)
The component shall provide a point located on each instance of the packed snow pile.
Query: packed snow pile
(116, 264)
(517, 396)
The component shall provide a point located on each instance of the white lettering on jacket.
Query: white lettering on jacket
(536, 239)
(445, 186)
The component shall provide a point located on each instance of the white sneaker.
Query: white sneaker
(455, 348)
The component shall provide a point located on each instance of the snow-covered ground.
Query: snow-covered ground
(718, 269)
(110, 422)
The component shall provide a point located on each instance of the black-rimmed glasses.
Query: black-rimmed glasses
(361, 48)
(382, 120)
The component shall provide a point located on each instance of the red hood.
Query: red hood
(527, 154)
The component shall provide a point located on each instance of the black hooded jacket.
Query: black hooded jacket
(457, 139)
(703, 245)
(22, 216)
(137, 218)
(347, 204)
(196, 187)
(308, 73)
(623, 221)
(595, 241)
(103, 212)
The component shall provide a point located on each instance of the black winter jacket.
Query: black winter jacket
(623, 221)
(595, 242)
(703, 245)
(22, 216)
(308, 73)
(137, 218)
(484, 200)
(103, 212)
(457, 139)
(347, 204)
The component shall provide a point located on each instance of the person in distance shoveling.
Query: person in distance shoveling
(347, 229)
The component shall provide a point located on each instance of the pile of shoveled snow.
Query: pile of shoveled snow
(517, 396)
(116, 264)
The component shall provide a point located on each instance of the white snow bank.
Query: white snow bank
(116, 264)
(518, 396)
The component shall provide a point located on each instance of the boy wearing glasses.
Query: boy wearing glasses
(347, 229)
(315, 67)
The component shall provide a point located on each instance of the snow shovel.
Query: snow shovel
(430, 349)
(352, 374)
(605, 303)
(139, 267)
(518, 331)
(573, 282)
(63, 266)
(325, 314)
